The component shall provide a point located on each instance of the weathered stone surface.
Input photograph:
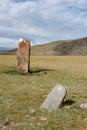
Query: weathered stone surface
(55, 98)
(23, 56)
(83, 106)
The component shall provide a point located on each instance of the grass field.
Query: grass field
(21, 93)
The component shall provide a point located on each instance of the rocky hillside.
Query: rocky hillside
(70, 47)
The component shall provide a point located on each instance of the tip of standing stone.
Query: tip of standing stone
(20, 40)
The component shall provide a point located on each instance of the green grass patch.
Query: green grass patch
(11, 71)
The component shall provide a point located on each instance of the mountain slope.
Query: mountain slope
(70, 47)
(65, 47)
(75, 47)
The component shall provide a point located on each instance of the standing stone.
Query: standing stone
(23, 56)
(55, 98)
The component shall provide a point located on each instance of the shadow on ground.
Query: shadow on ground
(39, 71)
(68, 102)
(13, 71)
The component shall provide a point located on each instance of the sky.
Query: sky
(41, 21)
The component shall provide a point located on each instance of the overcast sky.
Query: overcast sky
(41, 21)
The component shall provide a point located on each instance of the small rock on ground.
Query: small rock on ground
(83, 106)
(32, 110)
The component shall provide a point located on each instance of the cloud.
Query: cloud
(10, 43)
(42, 21)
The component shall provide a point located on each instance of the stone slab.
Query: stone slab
(55, 98)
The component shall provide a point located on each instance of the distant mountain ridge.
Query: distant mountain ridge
(63, 47)
(3, 49)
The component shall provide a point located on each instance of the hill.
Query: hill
(10, 52)
(64, 47)
(70, 47)
(3, 49)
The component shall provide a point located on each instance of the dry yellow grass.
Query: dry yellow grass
(18, 93)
